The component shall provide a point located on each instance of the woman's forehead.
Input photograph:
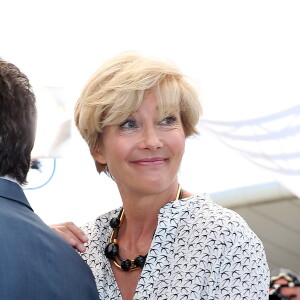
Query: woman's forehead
(160, 104)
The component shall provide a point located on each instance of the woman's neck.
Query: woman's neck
(141, 206)
(141, 213)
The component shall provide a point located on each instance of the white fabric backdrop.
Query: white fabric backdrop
(243, 56)
(271, 142)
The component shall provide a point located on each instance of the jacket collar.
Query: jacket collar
(13, 191)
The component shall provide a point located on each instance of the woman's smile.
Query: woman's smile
(152, 161)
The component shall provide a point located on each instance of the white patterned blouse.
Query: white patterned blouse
(200, 250)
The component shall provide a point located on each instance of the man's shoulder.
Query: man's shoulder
(33, 250)
(20, 226)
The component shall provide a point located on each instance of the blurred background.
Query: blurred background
(243, 58)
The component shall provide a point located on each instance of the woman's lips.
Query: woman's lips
(153, 161)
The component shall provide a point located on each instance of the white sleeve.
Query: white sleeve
(244, 272)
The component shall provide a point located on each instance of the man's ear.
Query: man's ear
(99, 156)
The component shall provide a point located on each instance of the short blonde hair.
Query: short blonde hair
(117, 90)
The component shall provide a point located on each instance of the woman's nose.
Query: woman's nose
(150, 139)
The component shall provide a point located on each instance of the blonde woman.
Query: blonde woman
(135, 114)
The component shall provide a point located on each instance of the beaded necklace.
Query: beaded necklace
(112, 248)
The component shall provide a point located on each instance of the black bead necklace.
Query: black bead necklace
(112, 248)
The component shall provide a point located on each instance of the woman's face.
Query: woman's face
(143, 154)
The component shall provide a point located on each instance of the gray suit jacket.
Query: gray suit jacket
(35, 263)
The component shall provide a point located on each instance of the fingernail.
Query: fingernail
(81, 247)
(72, 242)
(84, 238)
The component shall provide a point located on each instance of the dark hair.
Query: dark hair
(17, 122)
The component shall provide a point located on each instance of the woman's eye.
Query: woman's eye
(168, 121)
(128, 124)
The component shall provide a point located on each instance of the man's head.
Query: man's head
(17, 122)
(285, 283)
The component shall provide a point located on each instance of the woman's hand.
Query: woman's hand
(71, 234)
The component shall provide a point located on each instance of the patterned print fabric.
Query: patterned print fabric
(200, 250)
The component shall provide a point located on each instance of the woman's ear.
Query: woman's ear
(99, 156)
